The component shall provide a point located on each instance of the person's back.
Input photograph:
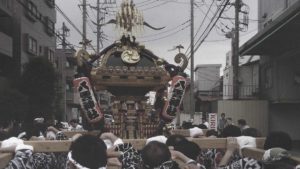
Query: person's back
(243, 124)
(278, 139)
(253, 132)
(231, 131)
(276, 146)
(175, 139)
(222, 122)
(188, 148)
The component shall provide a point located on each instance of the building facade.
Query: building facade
(207, 86)
(207, 79)
(248, 79)
(26, 30)
(66, 69)
(277, 42)
(6, 42)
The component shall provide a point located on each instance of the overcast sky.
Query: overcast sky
(172, 14)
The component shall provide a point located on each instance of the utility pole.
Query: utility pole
(98, 26)
(100, 18)
(235, 51)
(65, 31)
(84, 18)
(192, 100)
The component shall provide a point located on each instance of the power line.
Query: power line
(254, 20)
(199, 28)
(226, 16)
(146, 4)
(221, 40)
(156, 6)
(142, 2)
(226, 26)
(209, 27)
(204, 30)
(204, 36)
(68, 19)
(163, 37)
(93, 13)
(70, 22)
(209, 7)
(166, 31)
(66, 42)
(89, 21)
(175, 1)
(222, 10)
(201, 10)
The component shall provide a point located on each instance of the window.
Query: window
(50, 3)
(31, 11)
(41, 50)
(268, 77)
(49, 26)
(69, 86)
(67, 64)
(31, 45)
(50, 55)
(6, 3)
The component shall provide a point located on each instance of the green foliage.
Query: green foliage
(38, 83)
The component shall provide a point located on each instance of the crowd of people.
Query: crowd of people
(160, 152)
(36, 128)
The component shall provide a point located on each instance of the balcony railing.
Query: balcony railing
(210, 95)
(245, 92)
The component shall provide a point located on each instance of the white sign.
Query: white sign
(213, 121)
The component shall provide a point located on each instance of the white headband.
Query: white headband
(77, 165)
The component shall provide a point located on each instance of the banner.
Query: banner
(87, 100)
(213, 121)
(175, 97)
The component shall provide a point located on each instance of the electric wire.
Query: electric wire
(201, 24)
(159, 5)
(205, 35)
(166, 31)
(209, 27)
(163, 37)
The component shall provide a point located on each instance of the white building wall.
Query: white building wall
(248, 81)
(255, 112)
(207, 76)
(227, 83)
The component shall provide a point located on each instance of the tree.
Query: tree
(14, 105)
(38, 83)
